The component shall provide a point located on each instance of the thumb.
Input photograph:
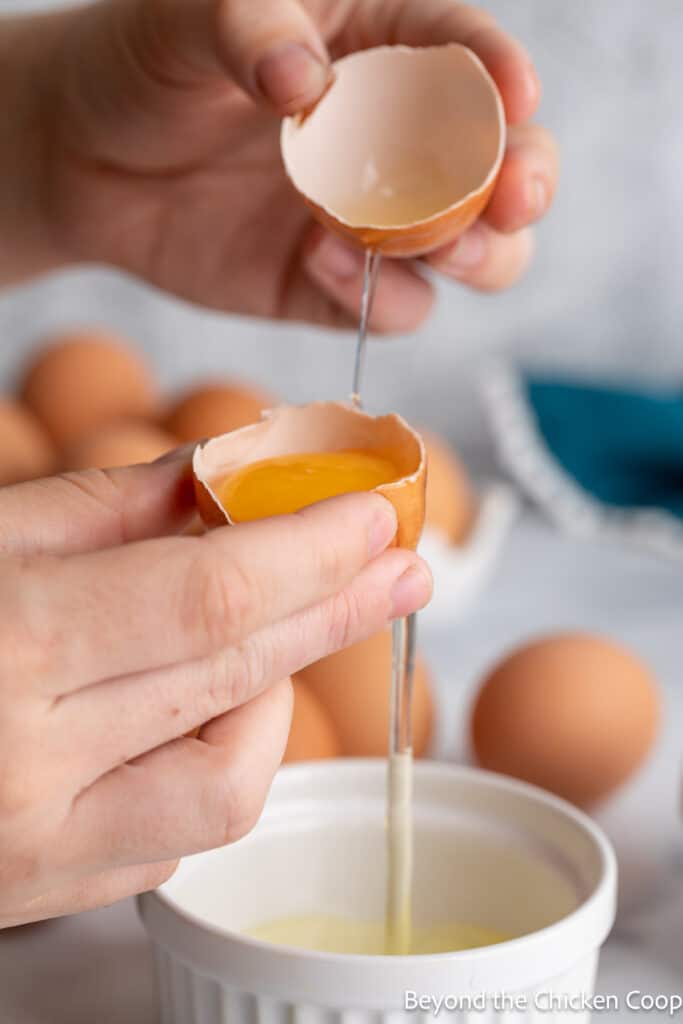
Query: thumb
(271, 48)
(274, 51)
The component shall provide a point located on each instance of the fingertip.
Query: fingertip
(485, 259)
(292, 78)
(461, 258)
(357, 509)
(412, 591)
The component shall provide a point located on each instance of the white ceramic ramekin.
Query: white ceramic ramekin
(490, 851)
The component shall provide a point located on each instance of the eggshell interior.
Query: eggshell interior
(319, 427)
(423, 126)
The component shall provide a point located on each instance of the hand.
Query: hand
(163, 153)
(116, 641)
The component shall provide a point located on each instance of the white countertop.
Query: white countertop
(97, 968)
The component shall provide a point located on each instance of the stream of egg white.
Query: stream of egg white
(399, 824)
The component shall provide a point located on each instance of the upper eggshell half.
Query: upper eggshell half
(424, 127)
(319, 427)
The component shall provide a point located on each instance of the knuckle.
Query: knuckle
(323, 549)
(28, 636)
(229, 678)
(334, 559)
(345, 620)
(219, 689)
(332, 564)
(220, 601)
(238, 809)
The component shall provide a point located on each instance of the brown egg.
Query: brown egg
(353, 685)
(26, 451)
(312, 736)
(573, 713)
(85, 379)
(319, 427)
(392, 157)
(216, 409)
(450, 502)
(120, 444)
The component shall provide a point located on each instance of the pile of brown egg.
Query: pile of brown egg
(571, 712)
(87, 399)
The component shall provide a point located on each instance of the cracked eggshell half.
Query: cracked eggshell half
(402, 152)
(319, 427)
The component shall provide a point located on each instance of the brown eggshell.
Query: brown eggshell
(26, 451)
(402, 152)
(312, 735)
(573, 713)
(120, 444)
(216, 408)
(319, 427)
(353, 686)
(84, 380)
(451, 506)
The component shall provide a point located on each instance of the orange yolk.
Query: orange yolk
(275, 487)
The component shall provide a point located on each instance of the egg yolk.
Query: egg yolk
(275, 487)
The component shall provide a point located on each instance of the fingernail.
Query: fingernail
(382, 529)
(468, 252)
(290, 76)
(537, 197)
(333, 258)
(411, 591)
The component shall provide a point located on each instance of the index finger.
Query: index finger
(435, 22)
(152, 604)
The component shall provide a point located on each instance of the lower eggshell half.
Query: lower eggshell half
(320, 426)
(415, 240)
